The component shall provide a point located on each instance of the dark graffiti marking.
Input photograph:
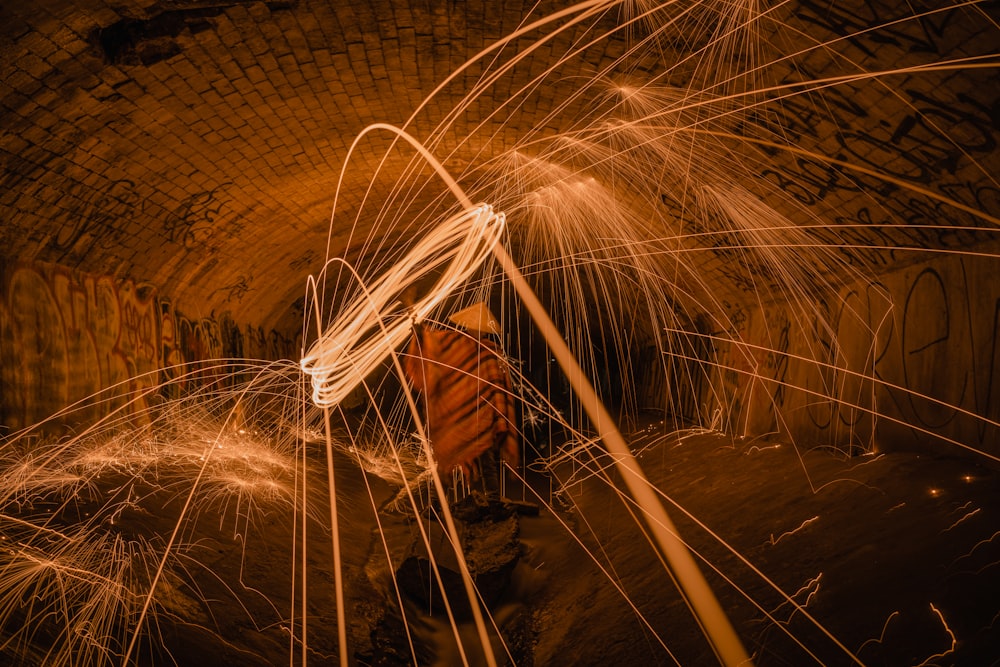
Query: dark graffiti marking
(194, 222)
(927, 348)
(813, 181)
(776, 361)
(933, 144)
(97, 216)
(981, 196)
(990, 405)
(983, 306)
(820, 378)
(927, 144)
(306, 260)
(237, 290)
(888, 364)
(852, 21)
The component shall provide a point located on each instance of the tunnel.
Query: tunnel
(724, 274)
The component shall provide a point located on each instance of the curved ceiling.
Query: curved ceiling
(201, 146)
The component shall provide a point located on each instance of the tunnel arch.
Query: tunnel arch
(760, 219)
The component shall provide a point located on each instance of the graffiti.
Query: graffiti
(854, 383)
(860, 240)
(920, 212)
(930, 143)
(732, 365)
(926, 330)
(980, 196)
(231, 338)
(303, 262)
(927, 137)
(881, 362)
(865, 241)
(739, 262)
(927, 33)
(237, 290)
(813, 181)
(888, 364)
(801, 118)
(820, 377)
(193, 223)
(740, 276)
(776, 360)
(186, 344)
(987, 384)
(736, 315)
(170, 353)
(71, 335)
(954, 361)
(883, 155)
(67, 336)
(95, 217)
(790, 120)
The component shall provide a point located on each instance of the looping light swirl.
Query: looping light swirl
(369, 329)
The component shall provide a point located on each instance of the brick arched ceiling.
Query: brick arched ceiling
(196, 145)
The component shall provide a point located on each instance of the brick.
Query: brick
(268, 63)
(37, 44)
(130, 90)
(229, 35)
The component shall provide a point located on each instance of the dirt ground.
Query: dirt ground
(893, 559)
(890, 560)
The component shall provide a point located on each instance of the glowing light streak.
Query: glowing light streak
(52, 480)
(745, 345)
(35, 527)
(716, 625)
(759, 573)
(79, 590)
(382, 536)
(366, 332)
(841, 401)
(988, 566)
(809, 589)
(774, 540)
(692, 584)
(951, 634)
(963, 519)
(754, 448)
(172, 540)
(881, 637)
(768, 614)
(907, 185)
(981, 543)
(453, 536)
(377, 330)
(608, 575)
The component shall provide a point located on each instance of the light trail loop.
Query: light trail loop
(369, 330)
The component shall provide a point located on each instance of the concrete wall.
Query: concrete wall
(910, 361)
(65, 335)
